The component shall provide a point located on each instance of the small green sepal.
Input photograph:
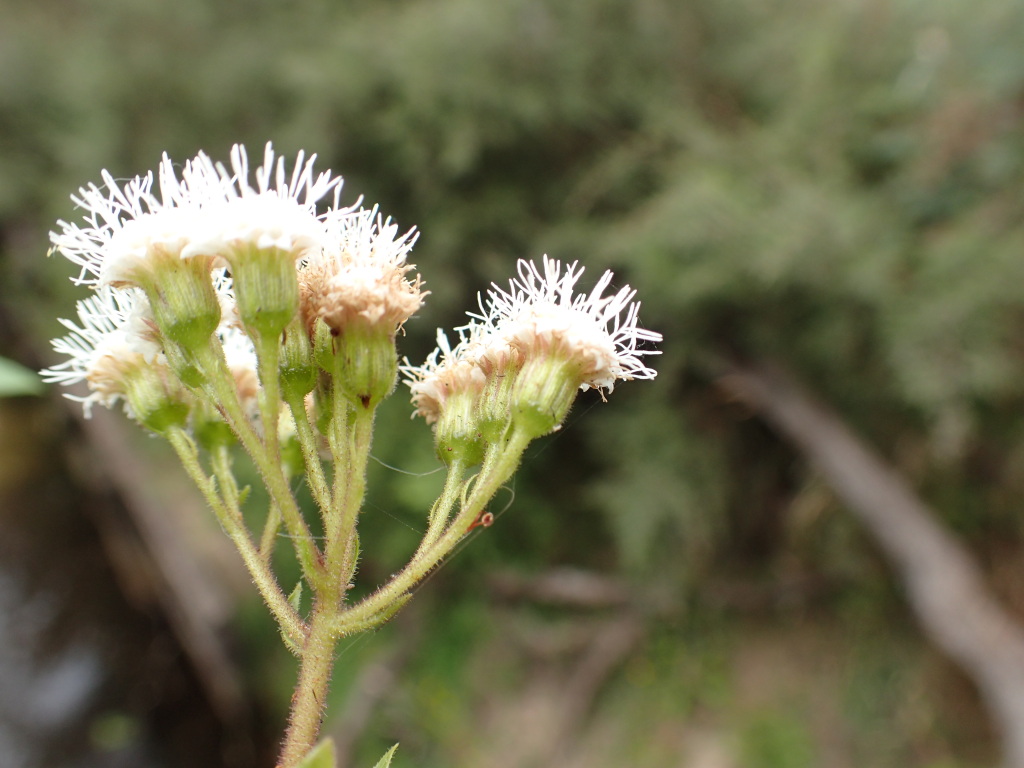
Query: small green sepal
(297, 370)
(184, 365)
(292, 460)
(213, 433)
(295, 598)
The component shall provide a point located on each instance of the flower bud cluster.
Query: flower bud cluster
(520, 361)
(250, 308)
(246, 265)
(242, 263)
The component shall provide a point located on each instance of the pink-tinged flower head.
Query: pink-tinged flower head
(524, 357)
(448, 372)
(448, 391)
(361, 278)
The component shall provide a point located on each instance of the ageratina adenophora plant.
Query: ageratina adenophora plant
(232, 308)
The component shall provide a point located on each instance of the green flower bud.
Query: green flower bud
(297, 370)
(156, 402)
(457, 433)
(364, 365)
(210, 430)
(266, 288)
(182, 300)
(545, 390)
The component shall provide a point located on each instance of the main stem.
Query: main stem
(317, 653)
(314, 679)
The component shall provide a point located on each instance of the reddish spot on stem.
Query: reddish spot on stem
(484, 520)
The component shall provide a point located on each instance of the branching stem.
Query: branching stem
(231, 519)
(224, 395)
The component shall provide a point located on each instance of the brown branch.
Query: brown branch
(570, 587)
(943, 584)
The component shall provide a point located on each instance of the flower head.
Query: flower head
(361, 278)
(279, 212)
(106, 211)
(207, 211)
(113, 340)
(448, 372)
(447, 391)
(540, 316)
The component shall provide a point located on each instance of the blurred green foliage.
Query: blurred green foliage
(836, 185)
(18, 380)
(776, 741)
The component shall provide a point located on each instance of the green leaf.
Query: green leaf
(291, 644)
(378, 618)
(18, 380)
(295, 598)
(385, 762)
(320, 756)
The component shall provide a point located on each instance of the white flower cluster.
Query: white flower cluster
(235, 256)
(351, 262)
(538, 318)
(206, 212)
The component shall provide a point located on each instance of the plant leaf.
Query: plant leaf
(295, 598)
(385, 762)
(320, 756)
(18, 380)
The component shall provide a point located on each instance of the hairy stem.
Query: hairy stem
(311, 692)
(224, 396)
(311, 456)
(499, 464)
(230, 517)
(340, 552)
(341, 543)
(442, 508)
